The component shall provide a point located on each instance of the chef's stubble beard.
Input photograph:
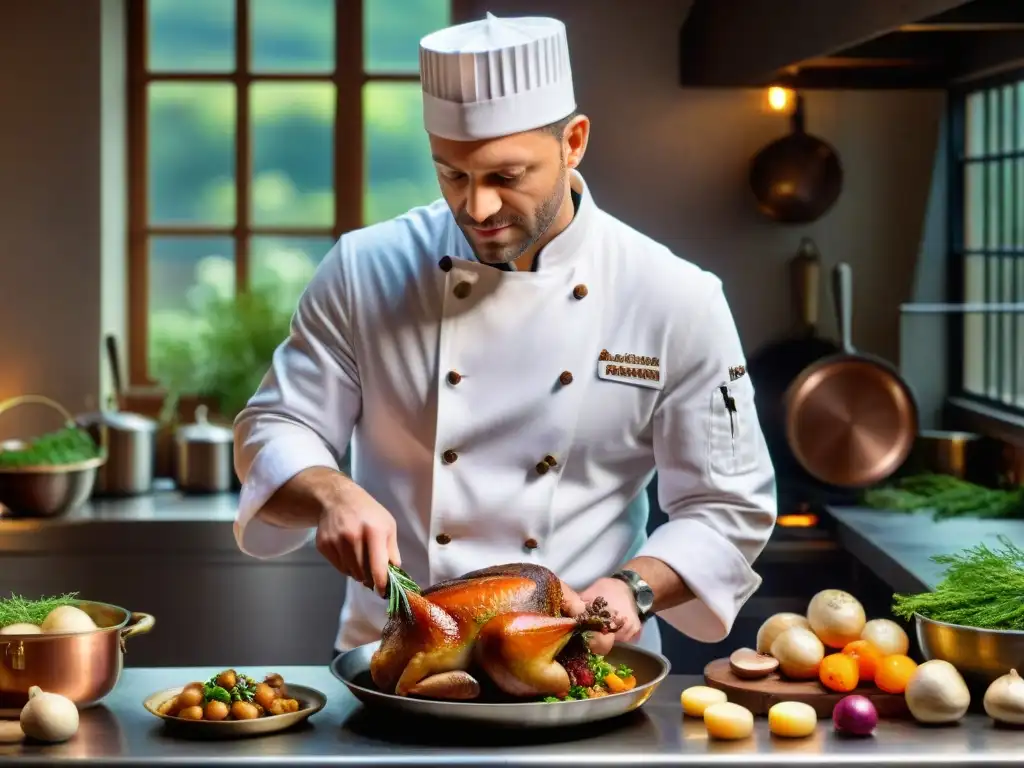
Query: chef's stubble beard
(544, 216)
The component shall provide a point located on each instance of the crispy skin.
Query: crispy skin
(505, 620)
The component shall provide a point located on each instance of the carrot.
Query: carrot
(630, 682)
(615, 683)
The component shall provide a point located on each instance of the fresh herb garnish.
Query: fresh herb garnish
(216, 693)
(399, 585)
(20, 610)
(947, 497)
(599, 666)
(981, 588)
(69, 445)
(623, 671)
(244, 690)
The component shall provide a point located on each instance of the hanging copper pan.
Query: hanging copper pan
(851, 420)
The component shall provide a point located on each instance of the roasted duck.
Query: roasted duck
(504, 622)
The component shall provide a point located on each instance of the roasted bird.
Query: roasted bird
(505, 622)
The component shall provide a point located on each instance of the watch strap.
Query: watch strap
(643, 595)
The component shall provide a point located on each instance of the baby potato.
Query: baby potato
(274, 680)
(265, 695)
(227, 679)
(190, 697)
(244, 710)
(697, 698)
(216, 710)
(277, 707)
(728, 721)
(191, 713)
(292, 705)
(169, 707)
(792, 719)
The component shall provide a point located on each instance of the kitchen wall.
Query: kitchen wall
(670, 162)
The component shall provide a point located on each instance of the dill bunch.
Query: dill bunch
(981, 588)
(399, 585)
(20, 610)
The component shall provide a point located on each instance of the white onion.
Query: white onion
(799, 652)
(1004, 699)
(937, 693)
(886, 636)
(836, 617)
(775, 626)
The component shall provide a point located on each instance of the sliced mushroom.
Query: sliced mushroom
(751, 665)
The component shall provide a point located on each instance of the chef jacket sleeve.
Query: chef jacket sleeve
(304, 411)
(716, 482)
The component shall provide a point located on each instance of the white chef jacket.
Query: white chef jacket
(454, 382)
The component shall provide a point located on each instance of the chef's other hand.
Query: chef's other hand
(621, 605)
(358, 537)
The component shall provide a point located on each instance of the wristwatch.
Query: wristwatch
(642, 592)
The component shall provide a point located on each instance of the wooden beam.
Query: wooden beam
(743, 42)
(872, 78)
(986, 55)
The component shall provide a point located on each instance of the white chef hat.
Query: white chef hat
(495, 77)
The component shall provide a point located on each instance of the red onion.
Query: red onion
(855, 715)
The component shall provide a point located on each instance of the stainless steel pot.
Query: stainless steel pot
(131, 451)
(204, 456)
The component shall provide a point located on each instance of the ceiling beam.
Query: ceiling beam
(739, 43)
(992, 54)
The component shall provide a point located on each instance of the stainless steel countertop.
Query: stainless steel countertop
(898, 546)
(122, 733)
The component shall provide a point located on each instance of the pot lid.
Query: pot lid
(129, 422)
(203, 431)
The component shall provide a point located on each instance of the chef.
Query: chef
(509, 366)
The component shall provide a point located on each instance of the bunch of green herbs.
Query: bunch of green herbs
(21, 610)
(68, 445)
(947, 497)
(982, 588)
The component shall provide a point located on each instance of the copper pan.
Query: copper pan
(83, 666)
(851, 420)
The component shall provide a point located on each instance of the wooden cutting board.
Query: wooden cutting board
(761, 695)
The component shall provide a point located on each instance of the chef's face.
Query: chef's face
(510, 195)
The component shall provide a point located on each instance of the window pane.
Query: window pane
(974, 125)
(974, 206)
(992, 121)
(286, 264)
(185, 273)
(292, 35)
(1007, 362)
(293, 154)
(974, 326)
(192, 153)
(992, 204)
(399, 171)
(1018, 354)
(992, 275)
(392, 30)
(191, 35)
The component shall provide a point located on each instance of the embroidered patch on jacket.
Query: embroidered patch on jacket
(641, 370)
(737, 372)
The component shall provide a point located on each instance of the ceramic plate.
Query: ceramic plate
(310, 701)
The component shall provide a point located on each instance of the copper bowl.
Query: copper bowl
(83, 666)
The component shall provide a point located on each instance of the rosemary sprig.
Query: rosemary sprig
(399, 585)
(981, 588)
(20, 610)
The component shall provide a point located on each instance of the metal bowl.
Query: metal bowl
(980, 655)
(48, 491)
(353, 669)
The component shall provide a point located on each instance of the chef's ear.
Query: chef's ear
(576, 136)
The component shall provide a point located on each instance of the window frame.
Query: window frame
(349, 173)
(965, 409)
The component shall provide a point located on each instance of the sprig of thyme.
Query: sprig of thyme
(399, 585)
(981, 588)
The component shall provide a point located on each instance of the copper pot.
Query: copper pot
(84, 666)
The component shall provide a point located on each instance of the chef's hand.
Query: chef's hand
(358, 537)
(621, 605)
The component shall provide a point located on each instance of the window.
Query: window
(260, 131)
(987, 235)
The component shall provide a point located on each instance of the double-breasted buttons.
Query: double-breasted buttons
(579, 291)
(531, 544)
(565, 379)
(550, 460)
(449, 457)
(443, 538)
(462, 290)
(445, 264)
(542, 468)
(454, 377)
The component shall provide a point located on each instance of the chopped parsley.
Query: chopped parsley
(623, 671)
